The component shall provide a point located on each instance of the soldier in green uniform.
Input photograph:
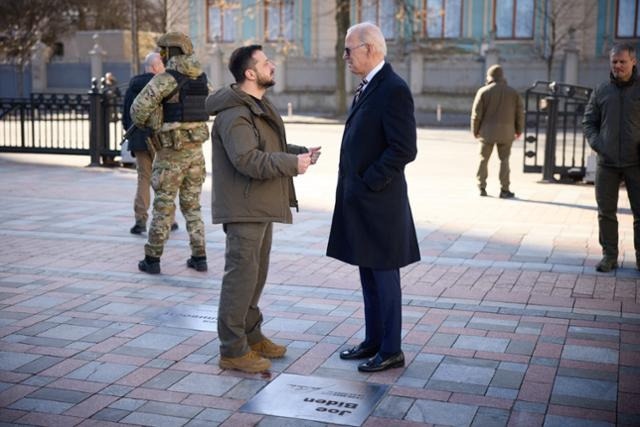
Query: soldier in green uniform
(171, 105)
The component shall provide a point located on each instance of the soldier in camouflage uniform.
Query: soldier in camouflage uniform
(172, 106)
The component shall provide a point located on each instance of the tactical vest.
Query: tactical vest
(190, 105)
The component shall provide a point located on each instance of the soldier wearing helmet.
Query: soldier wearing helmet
(172, 106)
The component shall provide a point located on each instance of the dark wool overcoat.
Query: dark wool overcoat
(372, 224)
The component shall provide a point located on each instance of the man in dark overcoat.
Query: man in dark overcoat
(372, 224)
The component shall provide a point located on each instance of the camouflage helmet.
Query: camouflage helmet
(176, 39)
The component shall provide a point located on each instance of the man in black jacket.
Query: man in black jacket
(612, 127)
(138, 143)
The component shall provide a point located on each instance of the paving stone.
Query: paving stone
(490, 417)
(156, 341)
(60, 395)
(205, 384)
(127, 404)
(68, 332)
(588, 373)
(521, 347)
(441, 413)
(39, 365)
(101, 372)
(288, 325)
(420, 370)
(245, 389)
(10, 361)
(116, 390)
(159, 363)
(493, 324)
(43, 301)
(590, 354)
(118, 308)
(41, 405)
(495, 345)
(442, 340)
(393, 407)
(172, 409)
(511, 366)
(559, 421)
(110, 414)
(153, 420)
(544, 361)
(127, 350)
(38, 380)
(37, 328)
(482, 363)
(596, 334)
(216, 415)
(502, 393)
(584, 392)
(463, 374)
(507, 379)
(523, 406)
(165, 379)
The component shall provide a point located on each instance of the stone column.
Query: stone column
(216, 70)
(39, 67)
(416, 71)
(281, 67)
(491, 54)
(97, 56)
(571, 58)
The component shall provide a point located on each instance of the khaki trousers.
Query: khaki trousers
(144, 161)
(504, 151)
(245, 272)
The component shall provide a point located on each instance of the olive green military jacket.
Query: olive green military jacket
(146, 110)
(252, 163)
(497, 114)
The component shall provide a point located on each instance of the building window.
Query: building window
(279, 20)
(379, 12)
(222, 20)
(513, 19)
(628, 19)
(442, 18)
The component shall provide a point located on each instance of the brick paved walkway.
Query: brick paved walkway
(505, 321)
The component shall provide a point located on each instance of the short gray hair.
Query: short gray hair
(371, 35)
(623, 47)
(151, 59)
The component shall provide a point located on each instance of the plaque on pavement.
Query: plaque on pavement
(328, 400)
(197, 317)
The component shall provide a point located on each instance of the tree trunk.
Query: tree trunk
(343, 13)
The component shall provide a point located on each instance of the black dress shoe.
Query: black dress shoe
(377, 363)
(358, 352)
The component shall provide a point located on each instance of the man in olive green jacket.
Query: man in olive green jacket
(253, 170)
(497, 118)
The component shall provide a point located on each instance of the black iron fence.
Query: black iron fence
(554, 142)
(86, 124)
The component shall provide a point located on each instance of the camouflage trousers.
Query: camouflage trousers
(179, 172)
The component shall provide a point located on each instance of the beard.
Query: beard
(265, 82)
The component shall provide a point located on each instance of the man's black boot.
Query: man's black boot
(150, 265)
(138, 229)
(198, 263)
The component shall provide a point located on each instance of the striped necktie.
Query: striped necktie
(359, 90)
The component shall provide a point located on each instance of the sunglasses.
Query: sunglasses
(348, 50)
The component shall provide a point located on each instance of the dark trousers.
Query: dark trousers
(608, 181)
(382, 309)
(245, 273)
